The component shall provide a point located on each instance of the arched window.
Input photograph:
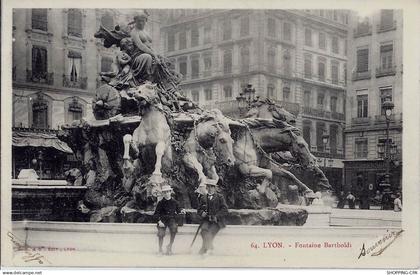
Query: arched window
(244, 59)
(107, 21)
(40, 112)
(75, 22)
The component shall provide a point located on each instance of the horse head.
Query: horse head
(146, 95)
(214, 132)
(300, 150)
(270, 110)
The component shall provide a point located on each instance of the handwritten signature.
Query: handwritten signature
(30, 256)
(383, 243)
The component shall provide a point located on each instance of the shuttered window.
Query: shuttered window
(40, 19)
(39, 62)
(362, 60)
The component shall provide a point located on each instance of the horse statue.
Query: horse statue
(254, 143)
(153, 130)
(210, 140)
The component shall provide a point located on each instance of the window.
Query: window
(333, 138)
(270, 91)
(286, 93)
(308, 37)
(271, 60)
(107, 21)
(182, 40)
(227, 90)
(321, 70)
(195, 96)
(321, 13)
(227, 30)
(362, 106)
(172, 64)
(40, 113)
(308, 66)
(307, 132)
(75, 64)
(106, 64)
(362, 60)
(335, 16)
(287, 66)
(39, 63)
(387, 19)
(75, 22)
(244, 59)
(75, 110)
(207, 63)
(183, 69)
(287, 31)
(244, 26)
(171, 41)
(40, 19)
(334, 72)
(384, 93)
(227, 62)
(320, 100)
(208, 94)
(195, 36)
(320, 130)
(334, 44)
(207, 34)
(386, 56)
(321, 41)
(361, 148)
(333, 104)
(307, 98)
(271, 27)
(195, 68)
(345, 73)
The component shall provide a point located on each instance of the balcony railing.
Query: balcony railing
(321, 79)
(361, 120)
(380, 72)
(361, 75)
(383, 27)
(362, 30)
(43, 78)
(395, 118)
(322, 113)
(80, 83)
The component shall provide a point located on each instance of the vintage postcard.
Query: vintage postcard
(210, 134)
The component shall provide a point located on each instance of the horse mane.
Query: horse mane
(256, 123)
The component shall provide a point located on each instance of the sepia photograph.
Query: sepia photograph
(208, 137)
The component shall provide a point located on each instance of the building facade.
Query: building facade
(375, 61)
(56, 66)
(295, 57)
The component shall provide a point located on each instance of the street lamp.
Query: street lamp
(387, 107)
(325, 138)
(246, 98)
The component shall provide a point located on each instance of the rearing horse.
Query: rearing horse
(153, 129)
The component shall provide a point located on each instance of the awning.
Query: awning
(24, 139)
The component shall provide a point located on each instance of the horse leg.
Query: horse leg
(191, 162)
(160, 150)
(284, 173)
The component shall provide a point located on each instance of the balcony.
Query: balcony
(322, 80)
(322, 113)
(381, 72)
(356, 121)
(385, 26)
(362, 30)
(361, 75)
(41, 78)
(80, 83)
